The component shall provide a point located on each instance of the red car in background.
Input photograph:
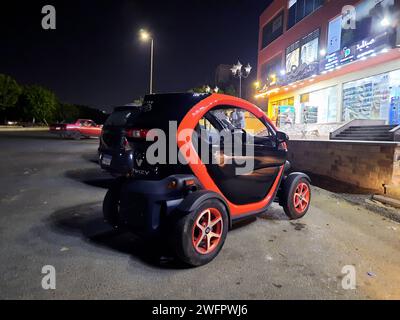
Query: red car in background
(82, 128)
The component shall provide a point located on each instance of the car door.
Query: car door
(251, 157)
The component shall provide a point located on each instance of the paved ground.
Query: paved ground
(50, 214)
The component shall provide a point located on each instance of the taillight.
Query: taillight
(136, 133)
(126, 145)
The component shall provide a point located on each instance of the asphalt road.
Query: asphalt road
(50, 214)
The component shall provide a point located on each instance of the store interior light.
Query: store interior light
(385, 22)
(283, 72)
(322, 52)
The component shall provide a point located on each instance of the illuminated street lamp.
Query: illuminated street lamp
(239, 72)
(145, 36)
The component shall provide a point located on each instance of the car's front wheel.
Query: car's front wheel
(200, 235)
(297, 197)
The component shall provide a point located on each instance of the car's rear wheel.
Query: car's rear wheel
(76, 136)
(200, 235)
(296, 198)
(111, 205)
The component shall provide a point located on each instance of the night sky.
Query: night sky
(95, 57)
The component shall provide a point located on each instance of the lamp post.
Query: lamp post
(145, 36)
(242, 73)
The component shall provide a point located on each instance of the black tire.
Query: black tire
(111, 207)
(295, 203)
(185, 234)
(76, 136)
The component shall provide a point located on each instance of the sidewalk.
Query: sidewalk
(355, 195)
(19, 128)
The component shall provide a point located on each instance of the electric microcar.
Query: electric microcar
(220, 160)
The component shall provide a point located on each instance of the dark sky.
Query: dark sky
(94, 56)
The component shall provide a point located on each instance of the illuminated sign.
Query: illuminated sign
(334, 35)
(361, 50)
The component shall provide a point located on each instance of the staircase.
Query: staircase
(366, 133)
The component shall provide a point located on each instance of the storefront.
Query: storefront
(319, 106)
(341, 100)
(349, 74)
(376, 97)
(283, 112)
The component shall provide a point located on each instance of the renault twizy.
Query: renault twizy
(190, 201)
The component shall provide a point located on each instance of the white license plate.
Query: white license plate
(106, 160)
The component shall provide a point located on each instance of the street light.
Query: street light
(146, 36)
(239, 72)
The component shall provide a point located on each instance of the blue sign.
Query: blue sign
(334, 35)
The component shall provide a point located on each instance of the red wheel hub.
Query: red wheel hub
(301, 197)
(207, 231)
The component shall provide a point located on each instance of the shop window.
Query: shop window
(302, 57)
(375, 97)
(283, 112)
(319, 106)
(269, 69)
(293, 57)
(272, 30)
(298, 9)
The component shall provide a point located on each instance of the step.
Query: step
(366, 130)
(374, 127)
(386, 136)
(362, 139)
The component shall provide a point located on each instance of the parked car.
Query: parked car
(82, 128)
(193, 204)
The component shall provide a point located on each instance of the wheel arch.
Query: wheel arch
(288, 180)
(194, 200)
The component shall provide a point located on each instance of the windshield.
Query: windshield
(119, 118)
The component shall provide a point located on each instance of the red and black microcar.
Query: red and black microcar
(190, 201)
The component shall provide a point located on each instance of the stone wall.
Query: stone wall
(363, 164)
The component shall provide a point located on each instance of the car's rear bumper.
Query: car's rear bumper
(146, 206)
(121, 162)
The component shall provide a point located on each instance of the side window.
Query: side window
(240, 119)
(211, 133)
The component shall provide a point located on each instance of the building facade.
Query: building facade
(325, 62)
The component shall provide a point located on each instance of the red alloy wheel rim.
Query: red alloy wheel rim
(207, 231)
(301, 198)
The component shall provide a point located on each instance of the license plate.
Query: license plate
(106, 160)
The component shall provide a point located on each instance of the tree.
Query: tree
(39, 103)
(230, 90)
(68, 112)
(9, 92)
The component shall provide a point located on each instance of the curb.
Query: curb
(20, 129)
(369, 203)
(386, 200)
